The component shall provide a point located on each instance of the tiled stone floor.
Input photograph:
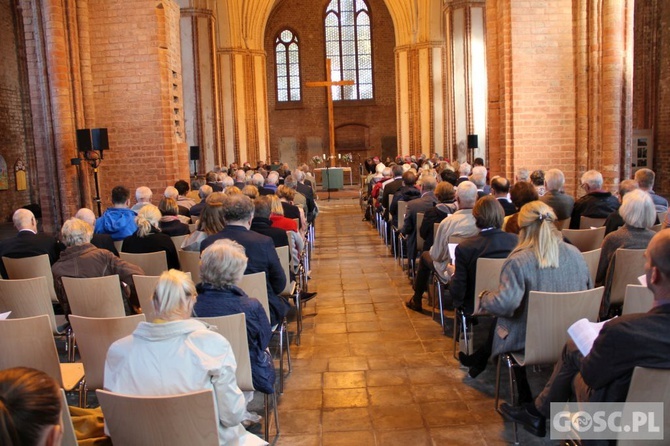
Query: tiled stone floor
(369, 371)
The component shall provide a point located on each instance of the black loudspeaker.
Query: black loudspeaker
(473, 142)
(84, 140)
(100, 140)
(195, 153)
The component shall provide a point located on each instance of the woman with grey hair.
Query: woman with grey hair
(149, 237)
(82, 259)
(177, 354)
(639, 214)
(221, 267)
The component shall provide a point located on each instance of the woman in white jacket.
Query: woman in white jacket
(176, 354)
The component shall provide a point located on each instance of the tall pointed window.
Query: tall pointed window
(349, 46)
(288, 67)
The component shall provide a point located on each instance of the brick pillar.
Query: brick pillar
(200, 78)
(466, 62)
(243, 101)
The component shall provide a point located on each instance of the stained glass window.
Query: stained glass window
(349, 46)
(287, 56)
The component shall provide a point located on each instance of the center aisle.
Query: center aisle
(369, 371)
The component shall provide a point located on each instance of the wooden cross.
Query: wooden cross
(328, 83)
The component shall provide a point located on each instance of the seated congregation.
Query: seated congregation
(250, 240)
(493, 250)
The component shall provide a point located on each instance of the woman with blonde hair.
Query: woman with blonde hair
(175, 354)
(542, 261)
(170, 224)
(149, 237)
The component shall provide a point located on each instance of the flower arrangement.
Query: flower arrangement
(347, 158)
(317, 160)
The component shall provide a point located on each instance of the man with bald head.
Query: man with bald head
(28, 242)
(626, 342)
(102, 241)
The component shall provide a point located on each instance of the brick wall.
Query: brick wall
(14, 112)
(305, 17)
(136, 72)
(662, 124)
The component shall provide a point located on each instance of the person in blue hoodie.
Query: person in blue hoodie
(117, 221)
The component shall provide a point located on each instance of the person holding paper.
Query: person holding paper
(542, 261)
(626, 342)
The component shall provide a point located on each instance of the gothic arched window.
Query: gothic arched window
(288, 66)
(349, 46)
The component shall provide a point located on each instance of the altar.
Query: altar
(333, 177)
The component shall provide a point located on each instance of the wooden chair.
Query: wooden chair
(585, 239)
(69, 435)
(592, 258)
(487, 278)
(657, 228)
(549, 317)
(118, 245)
(628, 266)
(173, 420)
(192, 227)
(95, 296)
(639, 299)
(145, 286)
(30, 267)
(589, 222)
(29, 298)
(194, 219)
(94, 337)
(254, 285)
(419, 246)
(291, 290)
(662, 216)
(152, 263)
(178, 240)
(398, 247)
(28, 342)
(234, 329)
(649, 385)
(190, 263)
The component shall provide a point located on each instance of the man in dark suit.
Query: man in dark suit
(391, 187)
(500, 187)
(633, 340)
(262, 224)
(311, 211)
(560, 202)
(427, 184)
(597, 203)
(211, 182)
(102, 241)
(27, 243)
(238, 212)
(204, 192)
(240, 179)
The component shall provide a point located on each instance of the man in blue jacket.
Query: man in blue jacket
(119, 220)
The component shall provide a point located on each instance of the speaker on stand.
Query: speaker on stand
(194, 156)
(473, 143)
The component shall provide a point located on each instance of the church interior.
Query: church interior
(180, 87)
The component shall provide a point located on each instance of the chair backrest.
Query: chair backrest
(69, 435)
(28, 342)
(254, 285)
(419, 239)
(657, 228)
(561, 224)
(95, 296)
(592, 258)
(590, 222)
(628, 266)
(549, 317)
(457, 239)
(488, 277)
(662, 216)
(27, 298)
(118, 244)
(171, 420)
(177, 240)
(192, 227)
(189, 261)
(145, 286)
(30, 267)
(649, 385)
(639, 299)
(194, 219)
(402, 210)
(585, 239)
(283, 254)
(152, 263)
(94, 336)
(234, 328)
